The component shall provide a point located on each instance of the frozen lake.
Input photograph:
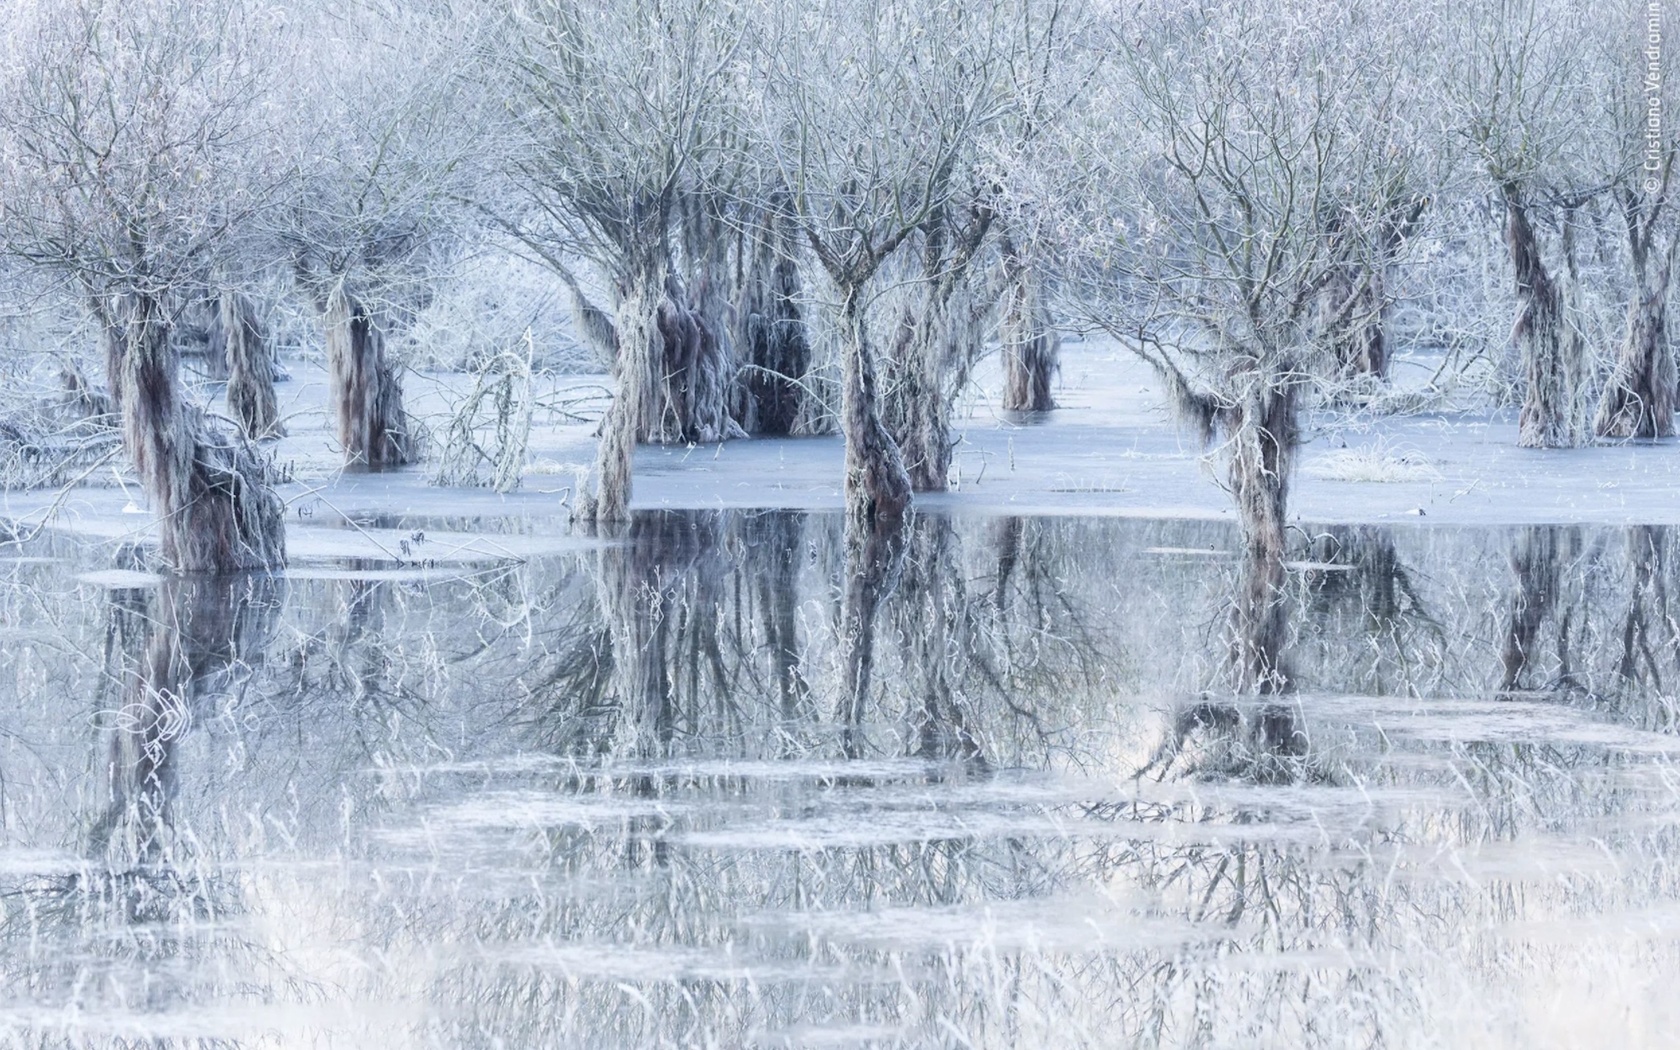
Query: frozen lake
(550, 791)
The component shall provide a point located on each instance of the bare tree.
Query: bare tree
(619, 111)
(1531, 115)
(1222, 209)
(869, 114)
(132, 138)
(381, 162)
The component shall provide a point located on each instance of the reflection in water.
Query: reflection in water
(143, 905)
(738, 779)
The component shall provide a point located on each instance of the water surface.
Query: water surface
(710, 785)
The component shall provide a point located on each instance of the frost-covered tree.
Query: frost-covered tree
(1225, 175)
(1531, 101)
(134, 146)
(1050, 66)
(1639, 396)
(871, 113)
(388, 123)
(619, 112)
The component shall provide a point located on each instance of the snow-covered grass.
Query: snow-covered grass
(551, 467)
(1377, 462)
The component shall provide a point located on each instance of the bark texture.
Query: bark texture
(673, 375)
(937, 339)
(917, 408)
(1031, 348)
(877, 485)
(1353, 308)
(637, 369)
(216, 510)
(1354, 305)
(1551, 349)
(1263, 436)
(366, 392)
(1639, 399)
(250, 389)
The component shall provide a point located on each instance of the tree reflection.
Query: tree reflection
(150, 894)
(737, 778)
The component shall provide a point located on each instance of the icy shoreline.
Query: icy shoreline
(1110, 450)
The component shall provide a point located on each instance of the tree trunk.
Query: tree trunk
(1638, 401)
(1550, 350)
(772, 337)
(917, 409)
(1355, 302)
(877, 485)
(1354, 307)
(366, 392)
(709, 379)
(215, 337)
(635, 407)
(1031, 347)
(672, 371)
(694, 374)
(216, 511)
(250, 390)
(1263, 438)
(935, 344)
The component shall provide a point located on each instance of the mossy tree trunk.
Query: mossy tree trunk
(366, 392)
(250, 389)
(1551, 350)
(1030, 346)
(216, 510)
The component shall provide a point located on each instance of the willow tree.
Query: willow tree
(132, 135)
(1219, 202)
(617, 109)
(1530, 107)
(1639, 396)
(868, 113)
(383, 155)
